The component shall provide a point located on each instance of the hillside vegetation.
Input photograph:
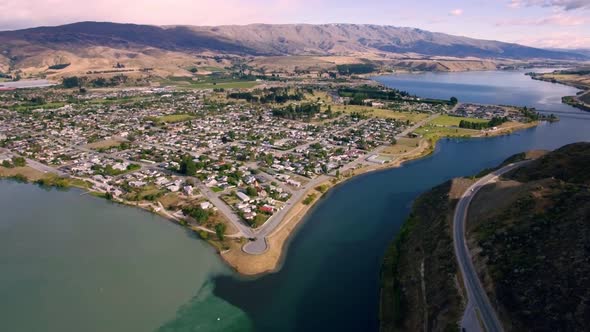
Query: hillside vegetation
(529, 234)
(533, 230)
(419, 273)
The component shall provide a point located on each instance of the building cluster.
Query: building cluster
(488, 112)
(134, 145)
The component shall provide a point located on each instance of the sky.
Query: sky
(540, 23)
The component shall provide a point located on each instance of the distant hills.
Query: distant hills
(98, 41)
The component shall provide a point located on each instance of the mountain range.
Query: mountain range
(106, 42)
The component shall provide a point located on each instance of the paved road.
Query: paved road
(478, 301)
(224, 209)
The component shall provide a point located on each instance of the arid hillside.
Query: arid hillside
(96, 46)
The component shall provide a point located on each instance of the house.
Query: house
(188, 190)
(211, 183)
(294, 183)
(206, 205)
(243, 197)
(249, 215)
(267, 209)
(173, 187)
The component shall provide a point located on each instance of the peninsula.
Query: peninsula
(240, 161)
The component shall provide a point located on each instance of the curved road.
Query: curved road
(478, 301)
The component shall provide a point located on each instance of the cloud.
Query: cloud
(557, 40)
(560, 19)
(26, 13)
(561, 4)
(456, 12)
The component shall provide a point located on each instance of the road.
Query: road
(259, 245)
(417, 125)
(225, 209)
(478, 301)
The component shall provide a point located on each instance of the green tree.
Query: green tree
(197, 213)
(220, 231)
(71, 82)
(188, 166)
(19, 162)
(251, 191)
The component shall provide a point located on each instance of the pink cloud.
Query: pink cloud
(562, 4)
(456, 12)
(557, 40)
(557, 19)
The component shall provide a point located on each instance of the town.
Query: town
(227, 163)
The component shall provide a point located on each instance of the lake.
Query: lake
(71, 262)
(78, 263)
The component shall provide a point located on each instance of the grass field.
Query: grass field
(104, 144)
(212, 69)
(23, 108)
(403, 145)
(174, 118)
(381, 113)
(224, 85)
(447, 120)
(209, 83)
(30, 173)
(118, 101)
(436, 132)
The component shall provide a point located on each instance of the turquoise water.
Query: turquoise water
(78, 263)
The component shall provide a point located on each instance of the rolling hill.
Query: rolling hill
(143, 45)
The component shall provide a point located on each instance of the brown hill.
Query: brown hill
(143, 45)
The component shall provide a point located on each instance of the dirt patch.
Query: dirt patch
(109, 143)
(30, 173)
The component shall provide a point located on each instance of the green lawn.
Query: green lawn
(114, 101)
(174, 118)
(29, 107)
(381, 113)
(436, 132)
(448, 120)
(209, 83)
(212, 69)
(224, 85)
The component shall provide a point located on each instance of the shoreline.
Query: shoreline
(248, 265)
(272, 259)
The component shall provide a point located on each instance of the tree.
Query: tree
(71, 82)
(197, 213)
(19, 162)
(454, 101)
(251, 191)
(188, 166)
(220, 231)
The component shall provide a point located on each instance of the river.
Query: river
(329, 280)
